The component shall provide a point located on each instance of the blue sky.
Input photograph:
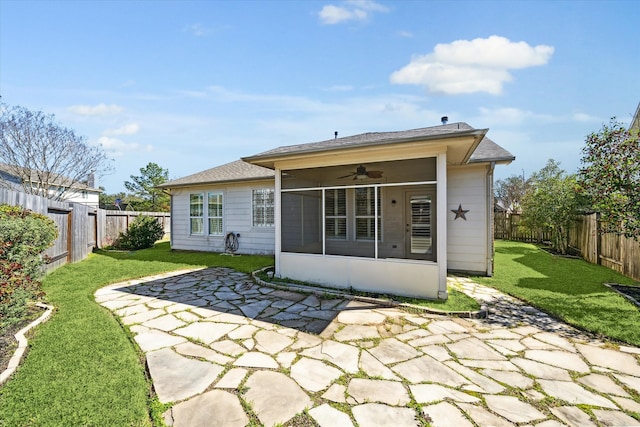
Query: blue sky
(193, 85)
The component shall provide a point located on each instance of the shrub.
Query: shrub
(24, 235)
(142, 233)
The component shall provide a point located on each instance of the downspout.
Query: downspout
(490, 224)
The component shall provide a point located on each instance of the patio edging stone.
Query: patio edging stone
(320, 290)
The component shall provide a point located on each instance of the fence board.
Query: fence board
(81, 228)
(616, 252)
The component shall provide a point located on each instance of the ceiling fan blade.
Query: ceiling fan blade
(374, 174)
(347, 176)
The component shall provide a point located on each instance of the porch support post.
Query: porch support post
(278, 219)
(441, 216)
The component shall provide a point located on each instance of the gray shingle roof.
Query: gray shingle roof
(241, 170)
(230, 172)
(371, 138)
(489, 151)
(486, 151)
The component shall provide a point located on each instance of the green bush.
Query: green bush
(142, 233)
(24, 235)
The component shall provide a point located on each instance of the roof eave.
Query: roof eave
(268, 160)
(498, 160)
(205, 183)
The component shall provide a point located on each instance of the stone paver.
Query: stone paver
(381, 391)
(226, 351)
(275, 398)
(327, 416)
(197, 412)
(444, 414)
(314, 375)
(513, 409)
(176, 377)
(377, 414)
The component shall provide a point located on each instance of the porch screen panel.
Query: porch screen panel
(301, 216)
(366, 213)
(421, 225)
(335, 214)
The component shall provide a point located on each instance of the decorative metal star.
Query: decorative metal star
(460, 213)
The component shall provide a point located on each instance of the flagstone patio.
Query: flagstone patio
(228, 352)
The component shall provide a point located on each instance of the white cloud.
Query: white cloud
(405, 34)
(354, 10)
(197, 30)
(469, 66)
(95, 110)
(583, 117)
(339, 88)
(119, 148)
(128, 129)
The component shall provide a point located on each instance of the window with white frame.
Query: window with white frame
(215, 213)
(263, 207)
(196, 213)
(335, 211)
(365, 201)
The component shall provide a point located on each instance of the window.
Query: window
(366, 213)
(335, 213)
(196, 213)
(215, 213)
(263, 207)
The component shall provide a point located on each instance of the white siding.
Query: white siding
(237, 218)
(467, 247)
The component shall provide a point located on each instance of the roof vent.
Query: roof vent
(444, 120)
(335, 135)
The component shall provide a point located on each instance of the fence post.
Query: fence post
(598, 239)
(70, 235)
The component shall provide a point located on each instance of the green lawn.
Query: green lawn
(569, 289)
(81, 369)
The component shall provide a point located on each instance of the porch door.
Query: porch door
(420, 220)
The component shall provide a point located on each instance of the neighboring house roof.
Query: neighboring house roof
(230, 172)
(58, 180)
(487, 150)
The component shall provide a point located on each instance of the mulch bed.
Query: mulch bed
(630, 291)
(8, 342)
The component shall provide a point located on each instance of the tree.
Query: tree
(551, 202)
(47, 158)
(610, 178)
(144, 186)
(509, 192)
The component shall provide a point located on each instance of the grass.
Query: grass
(568, 289)
(81, 369)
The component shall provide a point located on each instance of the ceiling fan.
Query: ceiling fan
(362, 173)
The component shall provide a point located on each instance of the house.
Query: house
(236, 198)
(385, 212)
(58, 187)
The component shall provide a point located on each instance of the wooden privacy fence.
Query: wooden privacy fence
(619, 253)
(80, 228)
